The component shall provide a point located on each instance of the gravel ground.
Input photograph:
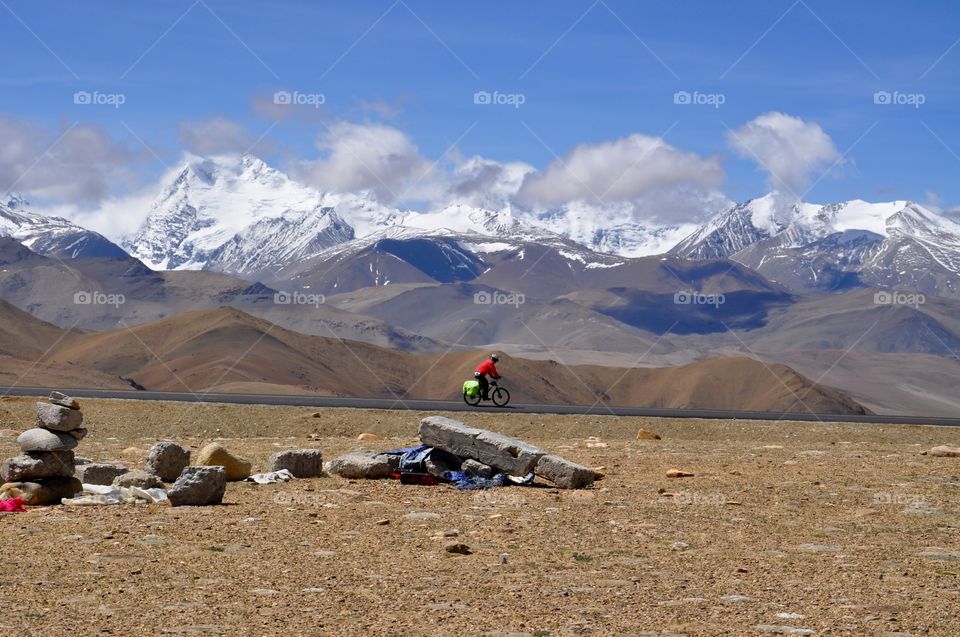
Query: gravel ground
(827, 528)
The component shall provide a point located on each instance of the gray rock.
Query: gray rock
(94, 473)
(199, 486)
(359, 465)
(167, 460)
(38, 464)
(474, 468)
(59, 398)
(79, 460)
(439, 462)
(302, 463)
(78, 434)
(565, 474)
(58, 417)
(45, 440)
(507, 454)
(138, 478)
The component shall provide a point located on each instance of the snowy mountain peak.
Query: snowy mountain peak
(52, 236)
(227, 212)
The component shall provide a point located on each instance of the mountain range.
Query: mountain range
(822, 289)
(239, 216)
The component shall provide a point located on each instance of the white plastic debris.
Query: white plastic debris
(99, 494)
(283, 475)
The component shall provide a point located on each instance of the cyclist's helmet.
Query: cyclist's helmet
(477, 374)
(494, 358)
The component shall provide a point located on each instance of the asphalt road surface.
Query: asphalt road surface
(459, 406)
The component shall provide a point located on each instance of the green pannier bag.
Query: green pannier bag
(471, 388)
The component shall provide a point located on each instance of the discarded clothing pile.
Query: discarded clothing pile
(100, 494)
(283, 475)
(469, 458)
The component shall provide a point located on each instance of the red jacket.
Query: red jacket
(488, 368)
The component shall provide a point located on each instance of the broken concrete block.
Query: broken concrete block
(199, 486)
(302, 463)
(507, 454)
(360, 465)
(95, 473)
(565, 474)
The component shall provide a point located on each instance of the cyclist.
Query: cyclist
(484, 369)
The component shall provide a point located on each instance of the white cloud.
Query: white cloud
(214, 136)
(78, 163)
(372, 157)
(789, 149)
(620, 170)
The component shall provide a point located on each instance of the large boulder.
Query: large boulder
(58, 417)
(215, 455)
(360, 465)
(38, 439)
(38, 464)
(565, 474)
(139, 479)
(95, 473)
(507, 454)
(302, 463)
(167, 460)
(199, 486)
(50, 491)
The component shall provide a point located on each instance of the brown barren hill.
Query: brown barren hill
(227, 350)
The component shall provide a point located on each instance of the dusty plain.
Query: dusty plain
(786, 528)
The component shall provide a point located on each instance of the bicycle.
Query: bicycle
(500, 396)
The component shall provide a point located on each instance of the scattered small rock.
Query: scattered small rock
(943, 451)
(369, 437)
(458, 548)
(302, 463)
(138, 478)
(167, 460)
(677, 473)
(95, 473)
(646, 434)
(216, 455)
(199, 486)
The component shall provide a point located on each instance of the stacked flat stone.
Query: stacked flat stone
(44, 472)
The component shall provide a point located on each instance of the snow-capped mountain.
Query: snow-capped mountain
(52, 236)
(897, 244)
(235, 215)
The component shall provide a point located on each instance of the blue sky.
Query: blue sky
(587, 71)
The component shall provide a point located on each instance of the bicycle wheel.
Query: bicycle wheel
(473, 401)
(500, 397)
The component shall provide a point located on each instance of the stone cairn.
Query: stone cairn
(44, 472)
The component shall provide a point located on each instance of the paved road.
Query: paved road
(441, 405)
